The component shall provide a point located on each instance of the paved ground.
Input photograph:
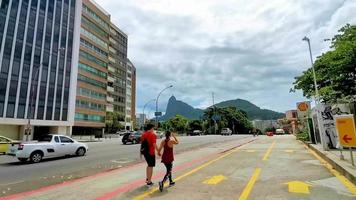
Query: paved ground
(275, 168)
(102, 156)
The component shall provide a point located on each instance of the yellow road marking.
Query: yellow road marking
(153, 190)
(350, 186)
(246, 192)
(289, 151)
(215, 180)
(298, 187)
(268, 152)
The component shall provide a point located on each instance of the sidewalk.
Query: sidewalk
(119, 181)
(333, 157)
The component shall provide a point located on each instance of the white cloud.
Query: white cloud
(249, 49)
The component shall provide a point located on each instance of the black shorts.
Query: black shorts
(150, 159)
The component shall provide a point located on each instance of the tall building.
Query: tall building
(130, 96)
(39, 43)
(91, 105)
(117, 72)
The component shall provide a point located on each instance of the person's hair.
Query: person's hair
(168, 134)
(149, 126)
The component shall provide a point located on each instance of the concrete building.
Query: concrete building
(130, 96)
(92, 87)
(117, 72)
(140, 120)
(39, 43)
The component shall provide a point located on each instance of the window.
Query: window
(94, 38)
(86, 117)
(93, 48)
(56, 139)
(95, 16)
(90, 105)
(94, 27)
(91, 93)
(65, 140)
(92, 59)
(91, 81)
(92, 70)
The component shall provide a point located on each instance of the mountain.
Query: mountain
(176, 107)
(253, 111)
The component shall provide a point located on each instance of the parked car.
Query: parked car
(5, 143)
(160, 134)
(280, 131)
(196, 132)
(132, 137)
(48, 146)
(226, 131)
(121, 133)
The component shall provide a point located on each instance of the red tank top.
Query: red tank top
(167, 156)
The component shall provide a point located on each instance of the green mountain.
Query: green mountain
(176, 107)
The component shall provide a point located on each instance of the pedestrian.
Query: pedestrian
(254, 132)
(167, 157)
(148, 148)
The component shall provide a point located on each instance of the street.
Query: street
(102, 156)
(270, 168)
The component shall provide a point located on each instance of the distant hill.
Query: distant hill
(176, 107)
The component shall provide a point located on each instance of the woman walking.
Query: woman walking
(167, 157)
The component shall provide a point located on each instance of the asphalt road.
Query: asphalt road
(102, 156)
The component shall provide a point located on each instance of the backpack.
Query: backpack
(144, 147)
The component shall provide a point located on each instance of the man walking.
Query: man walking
(148, 147)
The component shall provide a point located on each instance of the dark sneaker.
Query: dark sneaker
(160, 186)
(172, 183)
(149, 184)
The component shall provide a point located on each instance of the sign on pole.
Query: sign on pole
(158, 114)
(303, 109)
(345, 127)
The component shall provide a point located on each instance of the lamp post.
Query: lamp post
(312, 63)
(143, 111)
(159, 94)
(29, 115)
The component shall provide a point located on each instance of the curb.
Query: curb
(334, 164)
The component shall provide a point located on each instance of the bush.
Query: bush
(303, 136)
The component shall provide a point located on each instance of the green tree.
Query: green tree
(177, 123)
(335, 70)
(113, 122)
(195, 125)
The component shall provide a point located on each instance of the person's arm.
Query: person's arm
(175, 139)
(160, 148)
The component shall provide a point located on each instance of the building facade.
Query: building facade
(39, 43)
(117, 73)
(91, 99)
(130, 96)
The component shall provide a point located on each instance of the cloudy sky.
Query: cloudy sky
(248, 49)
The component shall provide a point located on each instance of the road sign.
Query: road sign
(345, 127)
(158, 114)
(303, 109)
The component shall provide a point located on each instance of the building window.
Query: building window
(91, 81)
(95, 16)
(90, 105)
(91, 94)
(92, 70)
(94, 27)
(86, 117)
(92, 59)
(94, 38)
(93, 48)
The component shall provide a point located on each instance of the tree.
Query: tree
(335, 70)
(195, 125)
(113, 122)
(177, 123)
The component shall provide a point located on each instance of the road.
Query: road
(102, 156)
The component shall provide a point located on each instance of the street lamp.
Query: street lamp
(143, 111)
(159, 94)
(29, 115)
(312, 63)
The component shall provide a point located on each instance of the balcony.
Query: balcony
(110, 89)
(109, 108)
(111, 69)
(111, 79)
(109, 99)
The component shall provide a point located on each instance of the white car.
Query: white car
(226, 131)
(49, 146)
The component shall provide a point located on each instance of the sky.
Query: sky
(247, 49)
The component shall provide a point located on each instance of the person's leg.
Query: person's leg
(167, 175)
(149, 172)
(170, 174)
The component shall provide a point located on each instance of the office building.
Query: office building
(39, 44)
(130, 96)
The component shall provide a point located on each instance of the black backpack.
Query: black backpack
(144, 148)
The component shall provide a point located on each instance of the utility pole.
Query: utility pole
(214, 113)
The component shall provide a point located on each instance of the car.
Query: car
(196, 132)
(48, 146)
(121, 133)
(160, 134)
(5, 143)
(226, 131)
(280, 131)
(132, 137)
